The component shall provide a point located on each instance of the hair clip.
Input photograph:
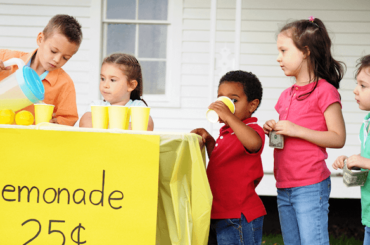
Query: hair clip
(311, 19)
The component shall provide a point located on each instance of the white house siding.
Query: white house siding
(22, 20)
(347, 21)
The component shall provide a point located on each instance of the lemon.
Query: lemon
(24, 118)
(6, 116)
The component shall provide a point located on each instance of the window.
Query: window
(143, 28)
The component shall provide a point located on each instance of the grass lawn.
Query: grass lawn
(278, 240)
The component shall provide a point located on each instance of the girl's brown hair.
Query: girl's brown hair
(130, 66)
(312, 36)
(362, 63)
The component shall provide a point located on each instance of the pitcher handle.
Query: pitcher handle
(14, 61)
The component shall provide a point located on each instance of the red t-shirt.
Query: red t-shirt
(302, 163)
(233, 174)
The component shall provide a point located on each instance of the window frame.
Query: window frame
(171, 97)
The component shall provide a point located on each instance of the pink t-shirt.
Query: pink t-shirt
(302, 163)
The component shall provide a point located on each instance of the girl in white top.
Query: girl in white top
(121, 83)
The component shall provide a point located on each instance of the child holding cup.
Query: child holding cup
(235, 166)
(121, 84)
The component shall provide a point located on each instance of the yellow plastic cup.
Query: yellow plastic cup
(140, 117)
(128, 118)
(99, 115)
(43, 113)
(212, 116)
(118, 116)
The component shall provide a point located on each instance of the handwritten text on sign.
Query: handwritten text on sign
(77, 187)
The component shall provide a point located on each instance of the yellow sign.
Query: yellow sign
(60, 187)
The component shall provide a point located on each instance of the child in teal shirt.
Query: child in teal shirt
(362, 96)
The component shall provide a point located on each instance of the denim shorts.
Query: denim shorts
(235, 231)
(303, 213)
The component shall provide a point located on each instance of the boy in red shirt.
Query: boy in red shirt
(235, 166)
(58, 42)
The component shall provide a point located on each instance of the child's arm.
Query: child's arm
(352, 161)
(335, 137)
(247, 136)
(339, 162)
(150, 124)
(208, 140)
(86, 121)
(269, 126)
(358, 161)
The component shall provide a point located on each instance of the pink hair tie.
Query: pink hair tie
(311, 19)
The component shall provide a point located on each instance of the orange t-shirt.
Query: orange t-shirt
(59, 88)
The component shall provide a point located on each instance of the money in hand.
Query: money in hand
(353, 178)
(276, 140)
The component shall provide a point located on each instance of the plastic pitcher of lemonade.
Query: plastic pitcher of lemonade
(20, 89)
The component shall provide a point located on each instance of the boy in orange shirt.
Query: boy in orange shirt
(58, 42)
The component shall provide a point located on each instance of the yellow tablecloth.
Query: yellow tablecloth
(184, 195)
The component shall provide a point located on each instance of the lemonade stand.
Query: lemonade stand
(96, 186)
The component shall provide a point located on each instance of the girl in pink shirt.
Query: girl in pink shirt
(310, 118)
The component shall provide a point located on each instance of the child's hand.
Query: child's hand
(2, 67)
(269, 126)
(222, 110)
(287, 128)
(356, 161)
(339, 162)
(203, 133)
(53, 119)
(207, 139)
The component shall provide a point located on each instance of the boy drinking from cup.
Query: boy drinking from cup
(235, 166)
(57, 43)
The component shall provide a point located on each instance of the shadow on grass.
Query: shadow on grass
(278, 240)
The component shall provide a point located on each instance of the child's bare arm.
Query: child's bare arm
(269, 126)
(247, 136)
(85, 121)
(150, 124)
(339, 162)
(208, 140)
(358, 161)
(335, 137)
(250, 139)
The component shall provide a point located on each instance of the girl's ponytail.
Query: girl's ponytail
(328, 68)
